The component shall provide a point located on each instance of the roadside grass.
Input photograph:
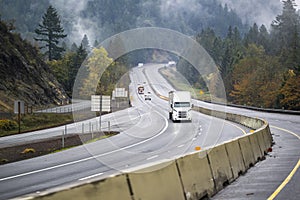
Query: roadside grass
(180, 83)
(87, 142)
(51, 145)
(38, 121)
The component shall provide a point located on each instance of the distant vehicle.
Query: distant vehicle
(140, 64)
(180, 106)
(141, 89)
(148, 96)
(171, 63)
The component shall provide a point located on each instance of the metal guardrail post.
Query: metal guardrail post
(108, 124)
(63, 139)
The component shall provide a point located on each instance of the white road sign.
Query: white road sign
(104, 105)
(16, 107)
(120, 92)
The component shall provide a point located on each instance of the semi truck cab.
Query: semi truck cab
(180, 106)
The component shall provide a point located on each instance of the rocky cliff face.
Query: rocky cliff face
(23, 75)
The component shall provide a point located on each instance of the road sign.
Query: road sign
(19, 106)
(100, 103)
(119, 92)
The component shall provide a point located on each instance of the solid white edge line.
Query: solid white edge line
(92, 157)
(92, 176)
(152, 157)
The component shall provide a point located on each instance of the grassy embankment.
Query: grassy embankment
(36, 121)
(180, 83)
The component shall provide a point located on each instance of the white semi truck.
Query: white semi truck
(180, 106)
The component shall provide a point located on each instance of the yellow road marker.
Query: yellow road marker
(197, 148)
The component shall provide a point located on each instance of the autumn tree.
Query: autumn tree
(96, 66)
(50, 32)
(291, 92)
(253, 84)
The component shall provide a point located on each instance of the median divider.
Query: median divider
(195, 176)
(257, 153)
(235, 158)
(220, 166)
(246, 151)
(111, 188)
(160, 181)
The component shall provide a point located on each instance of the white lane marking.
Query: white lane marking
(232, 124)
(180, 146)
(152, 157)
(91, 157)
(92, 176)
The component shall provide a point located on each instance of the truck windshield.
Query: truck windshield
(181, 104)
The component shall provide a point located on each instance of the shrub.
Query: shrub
(28, 150)
(8, 125)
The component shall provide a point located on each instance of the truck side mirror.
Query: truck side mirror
(192, 105)
(171, 105)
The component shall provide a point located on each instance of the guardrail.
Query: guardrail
(195, 176)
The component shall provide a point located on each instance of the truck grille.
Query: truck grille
(182, 114)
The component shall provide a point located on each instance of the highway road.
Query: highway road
(267, 177)
(146, 136)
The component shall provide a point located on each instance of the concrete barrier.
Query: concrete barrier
(262, 142)
(257, 152)
(246, 150)
(267, 136)
(108, 189)
(158, 182)
(220, 166)
(235, 158)
(196, 176)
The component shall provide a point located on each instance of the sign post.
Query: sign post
(19, 109)
(100, 103)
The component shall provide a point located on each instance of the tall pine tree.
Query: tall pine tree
(285, 33)
(50, 32)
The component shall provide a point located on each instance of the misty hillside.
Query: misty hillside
(100, 19)
(23, 75)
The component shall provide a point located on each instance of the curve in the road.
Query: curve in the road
(290, 176)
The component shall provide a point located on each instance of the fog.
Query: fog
(250, 11)
(261, 12)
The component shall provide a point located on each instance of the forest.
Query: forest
(260, 66)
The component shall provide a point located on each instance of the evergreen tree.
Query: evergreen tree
(96, 43)
(74, 47)
(285, 36)
(50, 32)
(252, 37)
(85, 43)
(264, 38)
(77, 60)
